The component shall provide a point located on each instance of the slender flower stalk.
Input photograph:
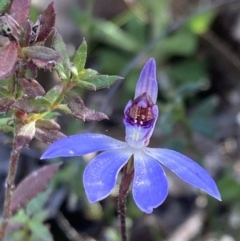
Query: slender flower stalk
(9, 187)
(149, 185)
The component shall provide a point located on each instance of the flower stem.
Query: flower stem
(9, 187)
(123, 190)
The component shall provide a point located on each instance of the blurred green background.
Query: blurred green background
(196, 45)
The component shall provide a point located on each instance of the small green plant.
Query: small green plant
(24, 103)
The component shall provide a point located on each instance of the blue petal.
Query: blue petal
(100, 175)
(81, 144)
(150, 187)
(147, 81)
(188, 170)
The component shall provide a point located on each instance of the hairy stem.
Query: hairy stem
(9, 187)
(123, 190)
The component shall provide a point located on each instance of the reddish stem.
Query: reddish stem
(9, 187)
(123, 190)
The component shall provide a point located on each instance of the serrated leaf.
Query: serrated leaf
(46, 22)
(42, 53)
(24, 135)
(86, 85)
(31, 87)
(63, 64)
(20, 11)
(3, 5)
(81, 56)
(103, 81)
(5, 105)
(53, 93)
(80, 111)
(32, 185)
(33, 105)
(48, 135)
(8, 59)
(87, 73)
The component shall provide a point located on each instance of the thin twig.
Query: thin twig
(9, 187)
(69, 231)
(223, 48)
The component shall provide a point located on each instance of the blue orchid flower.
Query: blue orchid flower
(149, 186)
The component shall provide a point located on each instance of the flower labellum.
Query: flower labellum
(150, 186)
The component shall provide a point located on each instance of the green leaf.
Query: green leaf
(206, 108)
(4, 91)
(36, 204)
(40, 216)
(87, 73)
(33, 105)
(189, 71)
(110, 33)
(81, 56)
(229, 189)
(5, 120)
(4, 125)
(3, 5)
(86, 85)
(105, 31)
(182, 43)
(40, 230)
(64, 108)
(53, 93)
(6, 128)
(201, 23)
(63, 64)
(203, 126)
(103, 81)
(20, 217)
(200, 118)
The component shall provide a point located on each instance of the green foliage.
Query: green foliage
(232, 194)
(23, 52)
(80, 57)
(3, 5)
(102, 81)
(31, 221)
(63, 65)
(200, 24)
